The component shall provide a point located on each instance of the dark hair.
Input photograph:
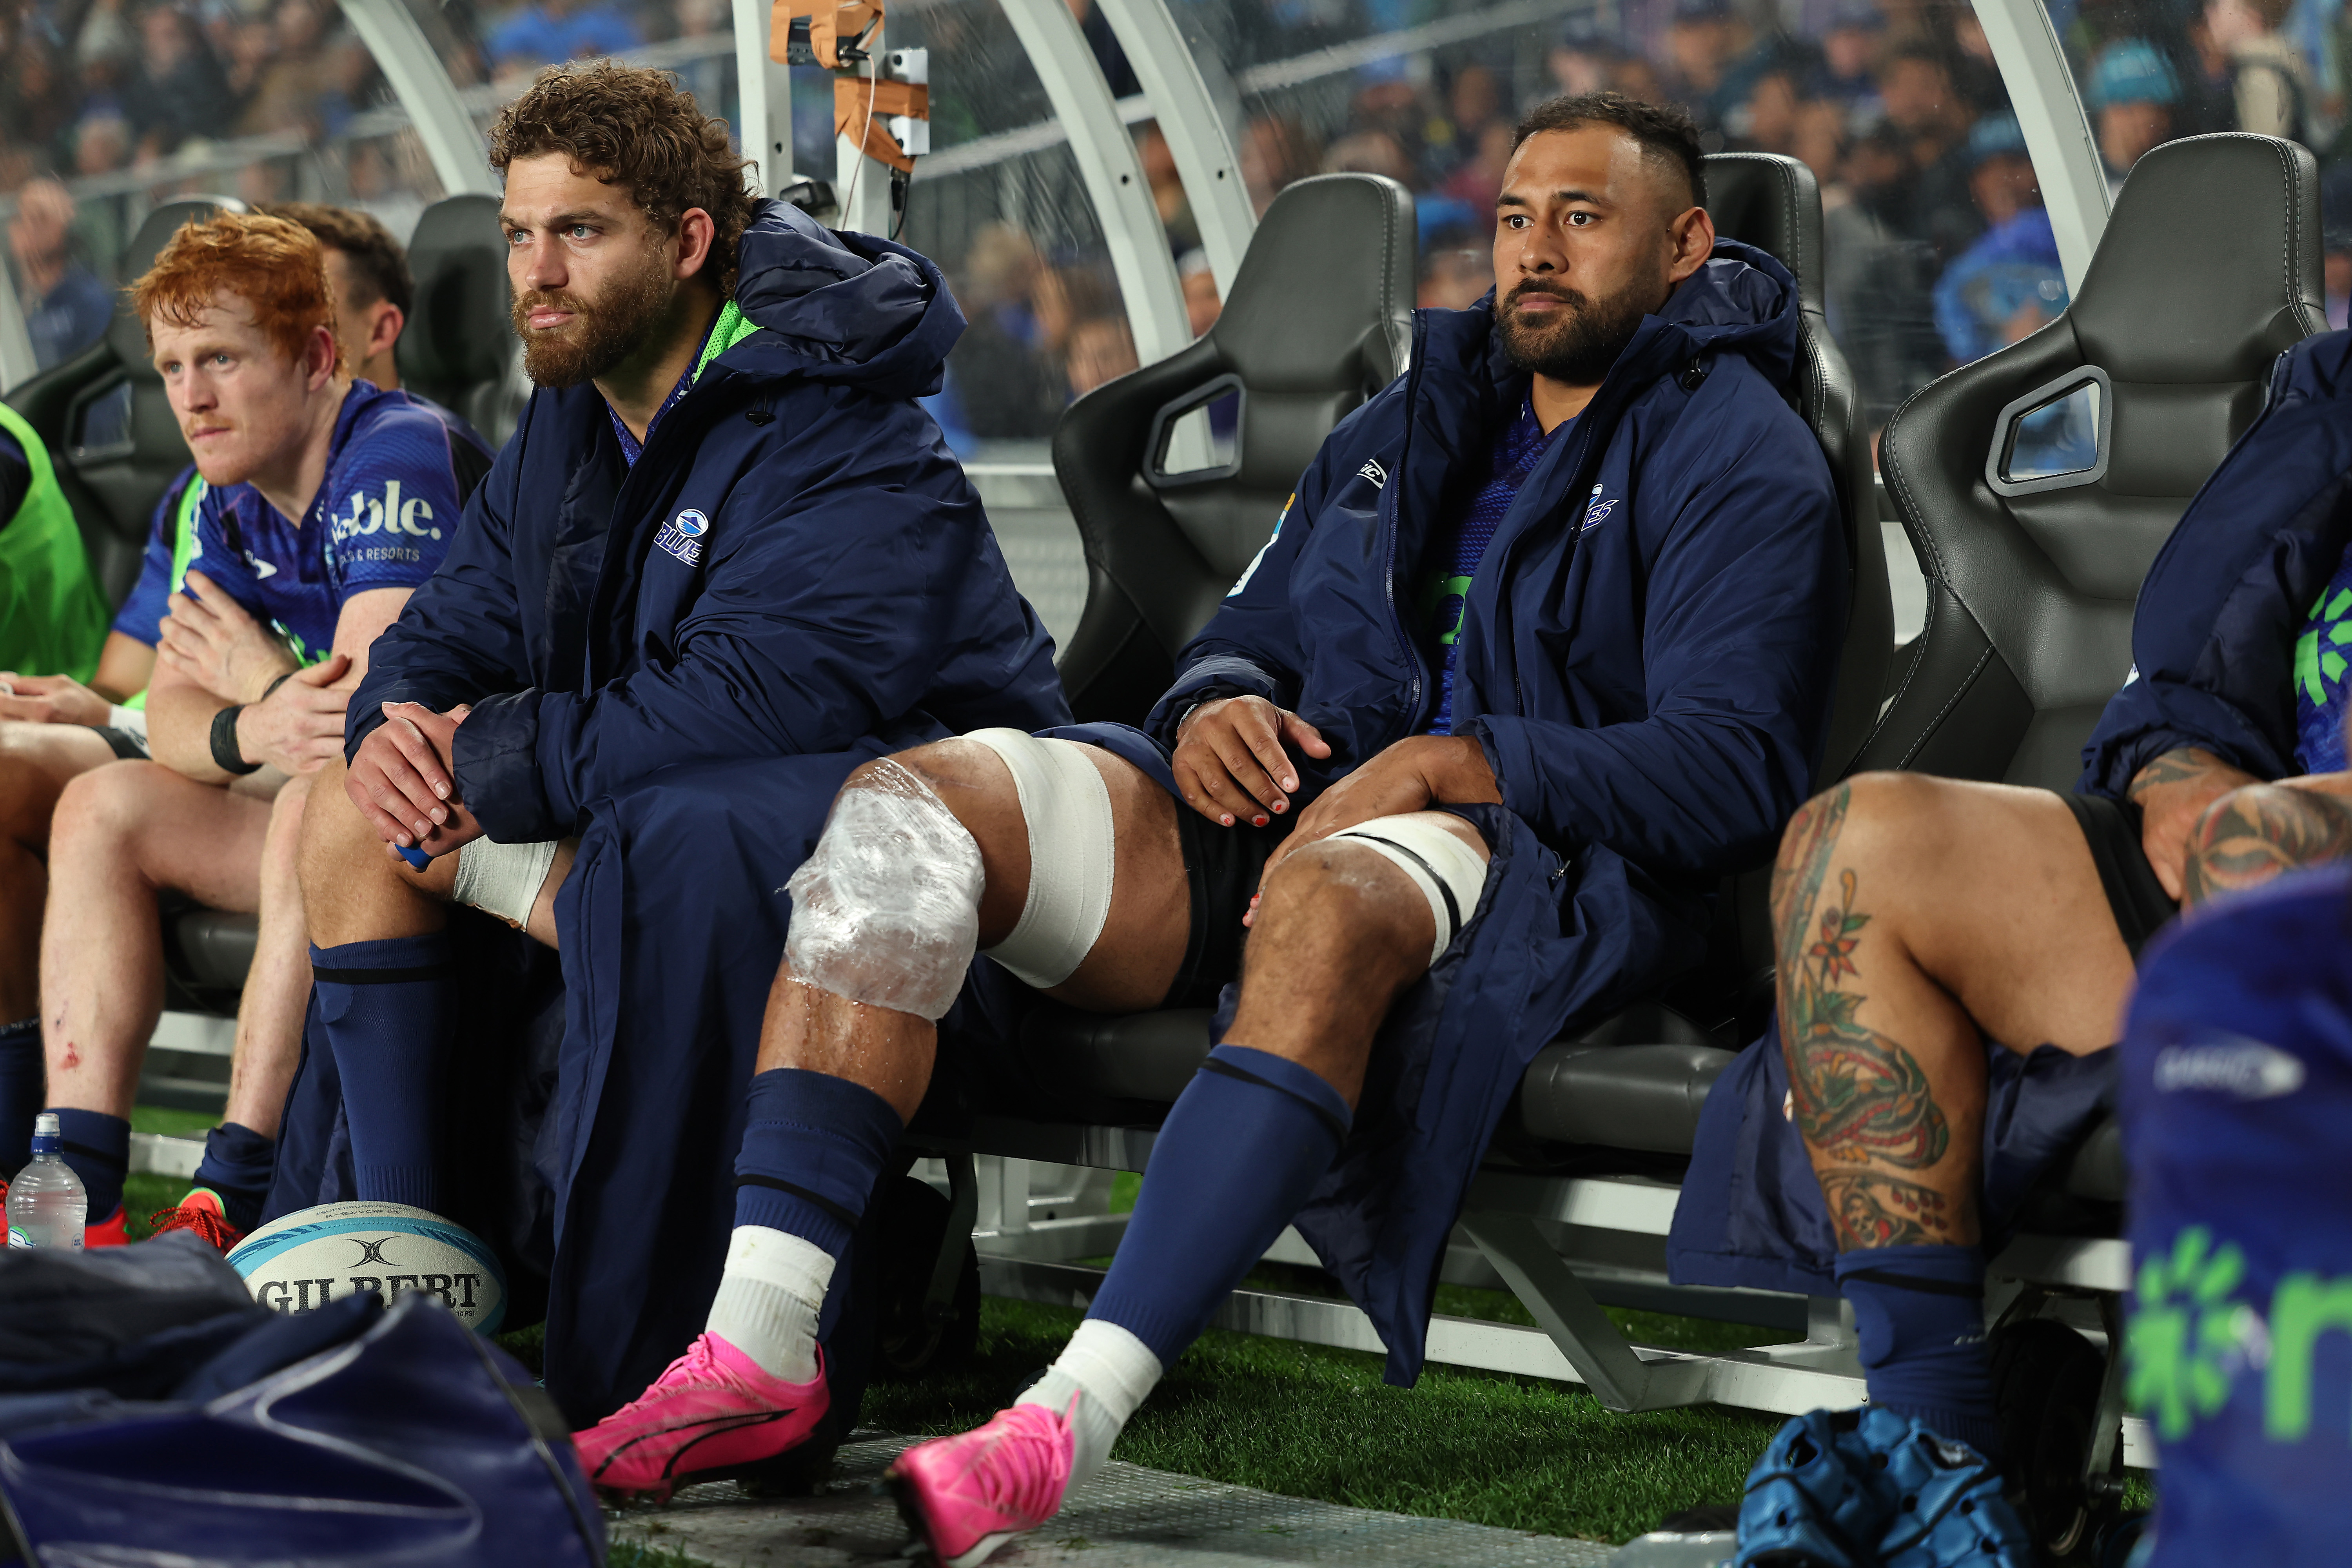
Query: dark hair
(635, 128)
(1664, 131)
(377, 264)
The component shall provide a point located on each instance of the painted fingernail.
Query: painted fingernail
(1224, 822)
(1260, 821)
(1280, 806)
(1289, 782)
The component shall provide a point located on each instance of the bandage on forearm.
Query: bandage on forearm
(502, 879)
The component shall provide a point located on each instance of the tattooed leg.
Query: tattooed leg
(2251, 834)
(1910, 914)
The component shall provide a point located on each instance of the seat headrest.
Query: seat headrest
(1331, 261)
(1773, 203)
(126, 334)
(459, 332)
(2171, 296)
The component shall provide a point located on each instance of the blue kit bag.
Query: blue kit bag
(2237, 1093)
(151, 1412)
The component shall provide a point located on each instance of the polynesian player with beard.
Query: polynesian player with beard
(1463, 750)
(723, 529)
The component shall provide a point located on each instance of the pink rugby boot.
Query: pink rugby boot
(967, 1496)
(709, 1416)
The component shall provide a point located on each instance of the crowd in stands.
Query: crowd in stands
(1940, 250)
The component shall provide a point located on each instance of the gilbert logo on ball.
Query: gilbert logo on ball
(336, 1250)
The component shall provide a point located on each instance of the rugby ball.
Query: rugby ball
(325, 1254)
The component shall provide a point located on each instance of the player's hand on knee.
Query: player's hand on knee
(2172, 793)
(403, 782)
(1230, 763)
(300, 726)
(209, 638)
(1415, 773)
(49, 699)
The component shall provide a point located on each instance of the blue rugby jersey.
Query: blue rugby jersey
(1517, 447)
(384, 518)
(2323, 672)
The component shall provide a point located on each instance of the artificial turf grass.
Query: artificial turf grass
(1306, 1420)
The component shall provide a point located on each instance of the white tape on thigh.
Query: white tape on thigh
(886, 910)
(1072, 854)
(1449, 873)
(502, 878)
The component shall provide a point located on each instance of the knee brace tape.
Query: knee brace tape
(1072, 856)
(886, 910)
(1448, 872)
(503, 879)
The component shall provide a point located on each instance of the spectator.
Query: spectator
(1928, 112)
(1637, 78)
(1580, 62)
(1369, 152)
(2271, 87)
(289, 85)
(1702, 41)
(180, 91)
(1001, 387)
(1479, 179)
(37, 105)
(101, 143)
(1473, 104)
(66, 307)
(1457, 271)
(1879, 278)
(2009, 283)
(1766, 121)
(1849, 71)
(1275, 150)
(2133, 91)
(1167, 196)
(549, 32)
(1101, 349)
(1387, 105)
(1820, 141)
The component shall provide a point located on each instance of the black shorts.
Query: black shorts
(128, 744)
(1224, 866)
(2112, 829)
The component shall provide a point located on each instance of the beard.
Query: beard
(603, 331)
(1580, 342)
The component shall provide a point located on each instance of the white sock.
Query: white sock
(769, 1298)
(1108, 1371)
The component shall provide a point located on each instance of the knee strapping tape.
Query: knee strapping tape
(503, 879)
(1449, 873)
(886, 910)
(1073, 853)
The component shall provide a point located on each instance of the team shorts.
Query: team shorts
(128, 744)
(2138, 901)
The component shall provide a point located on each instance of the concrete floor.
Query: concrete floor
(1129, 1517)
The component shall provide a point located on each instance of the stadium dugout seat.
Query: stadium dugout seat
(2034, 545)
(114, 471)
(459, 347)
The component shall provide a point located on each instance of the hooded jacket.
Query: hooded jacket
(1646, 656)
(795, 564)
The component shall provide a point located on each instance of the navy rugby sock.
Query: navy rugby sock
(237, 1168)
(812, 1146)
(1244, 1145)
(22, 1084)
(1919, 1314)
(387, 1007)
(97, 1147)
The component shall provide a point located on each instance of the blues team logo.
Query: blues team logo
(1596, 510)
(682, 536)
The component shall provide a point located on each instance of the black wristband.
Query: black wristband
(226, 756)
(271, 689)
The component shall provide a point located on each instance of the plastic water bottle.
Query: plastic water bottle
(46, 1206)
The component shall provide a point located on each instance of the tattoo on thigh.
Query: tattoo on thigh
(2259, 831)
(1873, 1209)
(1858, 1096)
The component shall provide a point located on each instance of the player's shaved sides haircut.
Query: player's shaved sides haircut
(376, 262)
(276, 267)
(635, 128)
(1667, 136)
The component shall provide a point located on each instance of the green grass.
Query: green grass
(636, 1554)
(171, 1123)
(1519, 1452)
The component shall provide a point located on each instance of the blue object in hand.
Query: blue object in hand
(418, 858)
